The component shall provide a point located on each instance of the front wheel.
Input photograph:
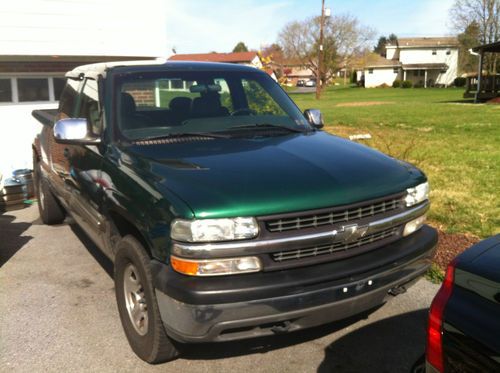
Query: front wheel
(137, 304)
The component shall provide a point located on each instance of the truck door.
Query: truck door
(85, 167)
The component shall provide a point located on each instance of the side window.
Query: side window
(68, 100)
(259, 100)
(89, 105)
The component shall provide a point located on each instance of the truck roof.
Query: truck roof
(96, 69)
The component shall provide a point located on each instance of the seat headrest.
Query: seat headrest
(128, 105)
(180, 104)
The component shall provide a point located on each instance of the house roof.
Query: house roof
(216, 57)
(377, 61)
(425, 66)
(425, 42)
(493, 47)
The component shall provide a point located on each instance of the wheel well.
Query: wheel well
(125, 227)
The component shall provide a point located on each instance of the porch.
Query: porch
(424, 75)
(483, 87)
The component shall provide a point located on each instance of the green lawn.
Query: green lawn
(456, 143)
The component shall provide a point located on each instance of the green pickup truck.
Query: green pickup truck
(227, 212)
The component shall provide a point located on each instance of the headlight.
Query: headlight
(414, 225)
(417, 194)
(206, 230)
(216, 267)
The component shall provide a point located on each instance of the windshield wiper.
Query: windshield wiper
(267, 126)
(188, 134)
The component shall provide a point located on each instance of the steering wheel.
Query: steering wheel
(244, 111)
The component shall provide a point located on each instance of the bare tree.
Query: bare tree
(344, 38)
(485, 14)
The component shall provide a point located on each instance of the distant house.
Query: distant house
(294, 71)
(426, 62)
(243, 58)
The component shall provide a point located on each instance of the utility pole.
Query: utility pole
(319, 66)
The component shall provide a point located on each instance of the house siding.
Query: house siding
(45, 39)
(380, 76)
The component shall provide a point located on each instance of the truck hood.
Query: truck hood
(262, 176)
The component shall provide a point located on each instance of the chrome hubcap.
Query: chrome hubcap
(135, 300)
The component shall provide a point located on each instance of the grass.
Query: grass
(456, 143)
(435, 274)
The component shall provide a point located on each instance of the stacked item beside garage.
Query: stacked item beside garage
(16, 191)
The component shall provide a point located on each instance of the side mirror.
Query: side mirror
(314, 117)
(74, 131)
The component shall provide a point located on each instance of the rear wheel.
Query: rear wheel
(137, 304)
(51, 212)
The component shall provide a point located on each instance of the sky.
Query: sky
(218, 25)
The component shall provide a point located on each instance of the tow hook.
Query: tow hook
(281, 327)
(397, 290)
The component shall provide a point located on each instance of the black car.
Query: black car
(463, 334)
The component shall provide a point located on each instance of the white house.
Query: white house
(426, 62)
(42, 39)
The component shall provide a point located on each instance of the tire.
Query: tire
(134, 290)
(51, 212)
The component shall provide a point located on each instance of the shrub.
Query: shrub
(418, 85)
(383, 85)
(460, 82)
(396, 83)
(406, 84)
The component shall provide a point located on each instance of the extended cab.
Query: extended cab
(228, 213)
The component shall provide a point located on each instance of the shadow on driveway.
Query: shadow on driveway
(11, 239)
(390, 345)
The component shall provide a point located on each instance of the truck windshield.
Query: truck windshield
(151, 105)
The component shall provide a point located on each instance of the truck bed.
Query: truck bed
(45, 116)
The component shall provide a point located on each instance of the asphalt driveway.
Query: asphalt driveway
(59, 315)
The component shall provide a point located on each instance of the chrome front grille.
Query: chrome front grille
(334, 247)
(332, 217)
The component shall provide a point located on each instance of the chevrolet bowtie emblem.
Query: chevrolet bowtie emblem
(350, 233)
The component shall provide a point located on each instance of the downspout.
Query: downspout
(479, 77)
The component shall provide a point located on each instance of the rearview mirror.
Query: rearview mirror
(74, 131)
(314, 117)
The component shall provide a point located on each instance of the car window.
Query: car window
(69, 95)
(259, 101)
(89, 105)
(163, 103)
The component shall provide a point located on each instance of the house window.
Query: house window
(33, 89)
(415, 72)
(5, 90)
(422, 72)
(434, 52)
(370, 71)
(396, 70)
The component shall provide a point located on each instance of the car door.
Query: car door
(85, 163)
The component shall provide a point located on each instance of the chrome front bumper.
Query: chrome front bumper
(246, 306)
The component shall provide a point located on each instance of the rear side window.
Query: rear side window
(68, 100)
(89, 105)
